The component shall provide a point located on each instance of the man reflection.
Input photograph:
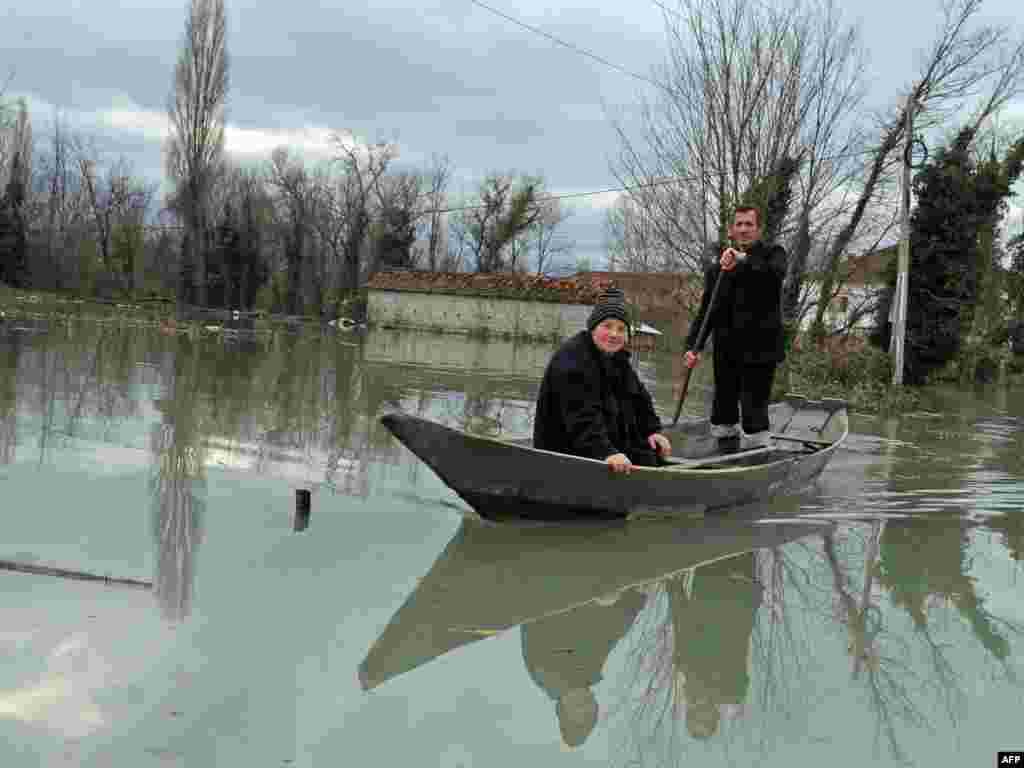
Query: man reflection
(712, 627)
(565, 655)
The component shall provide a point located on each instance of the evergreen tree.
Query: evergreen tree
(225, 268)
(393, 236)
(13, 240)
(255, 271)
(959, 203)
(773, 196)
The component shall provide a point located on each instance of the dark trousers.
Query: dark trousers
(745, 386)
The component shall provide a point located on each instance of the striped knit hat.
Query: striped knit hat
(611, 303)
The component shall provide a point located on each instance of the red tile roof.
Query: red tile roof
(579, 289)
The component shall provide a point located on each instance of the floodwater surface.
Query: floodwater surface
(163, 603)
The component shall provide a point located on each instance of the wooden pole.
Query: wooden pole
(65, 573)
(303, 506)
(899, 316)
(702, 335)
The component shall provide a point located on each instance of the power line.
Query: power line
(571, 46)
(594, 192)
(656, 183)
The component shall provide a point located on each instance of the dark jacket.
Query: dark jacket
(747, 320)
(594, 405)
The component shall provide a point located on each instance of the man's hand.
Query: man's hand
(660, 444)
(691, 358)
(730, 258)
(619, 463)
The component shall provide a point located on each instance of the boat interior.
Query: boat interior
(799, 426)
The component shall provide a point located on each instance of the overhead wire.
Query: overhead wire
(654, 183)
(571, 46)
(600, 59)
(623, 70)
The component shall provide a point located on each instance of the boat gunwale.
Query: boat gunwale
(674, 470)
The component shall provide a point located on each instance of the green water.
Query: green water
(876, 619)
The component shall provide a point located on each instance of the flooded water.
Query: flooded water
(164, 604)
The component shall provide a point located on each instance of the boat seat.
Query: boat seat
(727, 458)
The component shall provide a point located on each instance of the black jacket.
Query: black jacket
(747, 320)
(594, 405)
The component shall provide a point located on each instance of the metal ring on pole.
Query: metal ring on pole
(908, 152)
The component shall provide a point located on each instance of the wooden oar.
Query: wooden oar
(702, 336)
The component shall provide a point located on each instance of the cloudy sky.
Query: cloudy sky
(436, 76)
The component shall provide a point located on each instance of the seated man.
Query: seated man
(591, 401)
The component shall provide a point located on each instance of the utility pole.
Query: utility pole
(898, 316)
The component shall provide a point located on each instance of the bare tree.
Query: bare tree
(508, 207)
(196, 146)
(7, 121)
(116, 198)
(296, 200)
(548, 241)
(632, 239)
(458, 247)
(749, 85)
(13, 197)
(353, 196)
(439, 176)
(961, 64)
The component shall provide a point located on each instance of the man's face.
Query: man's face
(609, 335)
(745, 229)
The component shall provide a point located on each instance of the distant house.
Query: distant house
(860, 279)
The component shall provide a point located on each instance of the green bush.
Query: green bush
(862, 377)
(272, 296)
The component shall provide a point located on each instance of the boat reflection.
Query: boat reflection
(576, 591)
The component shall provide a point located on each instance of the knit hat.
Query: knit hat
(611, 303)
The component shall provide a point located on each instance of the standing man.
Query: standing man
(747, 326)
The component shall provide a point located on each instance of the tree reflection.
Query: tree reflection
(923, 564)
(9, 356)
(178, 488)
(689, 662)
(883, 656)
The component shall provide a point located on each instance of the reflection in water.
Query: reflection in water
(576, 593)
(923, 564)
(9, 354)
(712, 617)
(707, 636)
(565, 654)
(712, 622)
(179, 490)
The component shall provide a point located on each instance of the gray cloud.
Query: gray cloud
(438, 76)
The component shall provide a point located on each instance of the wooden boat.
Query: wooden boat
(509, 478)
(492, 578)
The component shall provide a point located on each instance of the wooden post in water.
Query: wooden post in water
(303, 504)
